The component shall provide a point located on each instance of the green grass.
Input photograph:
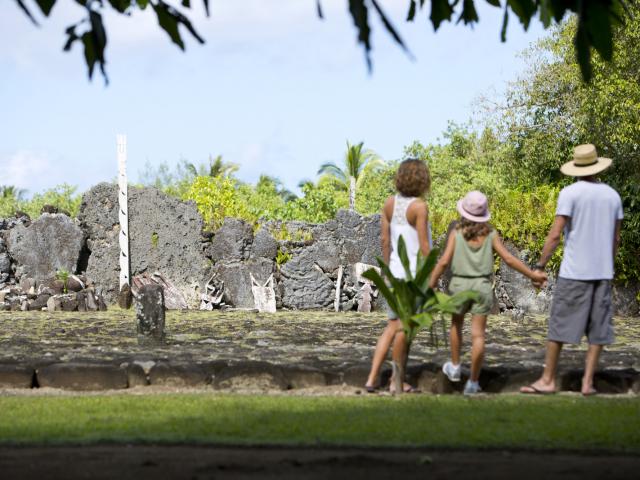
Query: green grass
(561, 422)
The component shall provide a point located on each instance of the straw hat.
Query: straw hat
(585, 162)
(475, 207)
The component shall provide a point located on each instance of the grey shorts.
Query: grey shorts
(581, 308)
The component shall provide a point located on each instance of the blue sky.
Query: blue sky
(274, 89)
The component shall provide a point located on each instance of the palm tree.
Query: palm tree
(277, 185)
(304, 182)
(11, 191)
(358, 163)
(217, 167)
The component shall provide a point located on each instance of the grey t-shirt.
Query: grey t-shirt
(593, 209)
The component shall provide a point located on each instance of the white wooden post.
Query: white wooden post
(336, 303)
(123, 211)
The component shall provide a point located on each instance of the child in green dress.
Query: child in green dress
(469, 251)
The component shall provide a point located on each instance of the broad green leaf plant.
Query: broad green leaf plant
(415, 303)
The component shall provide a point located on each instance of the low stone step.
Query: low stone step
(16, 376)
(178, 375)
(82, 376)
(251, 376)
(266, 376)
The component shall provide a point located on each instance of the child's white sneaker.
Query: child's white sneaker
(471, 388)
(452, 371)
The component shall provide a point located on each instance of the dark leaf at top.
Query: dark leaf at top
(359, 14)
(440, 11)
(412, 11)
(46, 6)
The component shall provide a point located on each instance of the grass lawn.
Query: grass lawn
(560, 422)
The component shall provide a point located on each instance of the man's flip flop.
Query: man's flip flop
(532, 390)
(590, 393)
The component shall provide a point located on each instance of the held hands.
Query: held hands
(539, 278)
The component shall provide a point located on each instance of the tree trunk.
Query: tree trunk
(352, 193)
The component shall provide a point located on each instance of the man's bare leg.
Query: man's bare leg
(591, 362)
(547, 383)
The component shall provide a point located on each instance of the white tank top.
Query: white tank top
(401, 226)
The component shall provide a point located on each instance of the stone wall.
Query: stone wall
(166, 236)
(303, 258)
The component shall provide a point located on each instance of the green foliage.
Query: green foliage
(215, 168)
(550, 110)
(375, 189)
(318, 204)
(63, 197)
(411, 298)
(267, 200)
(359, 164)
(463, 162)
(284, 234)
(525, 218)
(217, 198)
(63, 275)
(282, 257)
(175, 182)
(10, 198)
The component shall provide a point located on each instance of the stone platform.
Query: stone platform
(245, 351)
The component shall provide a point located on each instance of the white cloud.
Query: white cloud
(30, 170)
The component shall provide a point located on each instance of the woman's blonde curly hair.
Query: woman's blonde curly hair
(412, 178)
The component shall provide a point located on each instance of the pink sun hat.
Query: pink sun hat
(474, 206)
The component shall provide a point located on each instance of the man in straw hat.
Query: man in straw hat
(589, 213)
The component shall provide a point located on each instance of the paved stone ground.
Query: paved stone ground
(245, 350)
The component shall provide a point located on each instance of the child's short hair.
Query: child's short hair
(472, 230)
(412, 178)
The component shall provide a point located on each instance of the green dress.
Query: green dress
(472, 269)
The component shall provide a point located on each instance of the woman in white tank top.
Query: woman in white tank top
(403, 214)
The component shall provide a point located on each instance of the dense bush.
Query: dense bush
(64, 197)
(550, 110)
(217, 198)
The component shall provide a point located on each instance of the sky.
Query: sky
(274, 89)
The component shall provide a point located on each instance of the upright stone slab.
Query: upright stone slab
(53, 242)
(150, 314)
(124, 297)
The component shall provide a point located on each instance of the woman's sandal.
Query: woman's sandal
(406, 388)
(371, 388)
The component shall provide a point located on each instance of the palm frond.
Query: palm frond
(333, 170)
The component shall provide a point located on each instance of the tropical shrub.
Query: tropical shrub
(318, 204)
(217, 198)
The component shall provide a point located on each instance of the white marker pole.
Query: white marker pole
(123, 211)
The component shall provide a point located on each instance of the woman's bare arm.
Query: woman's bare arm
(385, 229)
